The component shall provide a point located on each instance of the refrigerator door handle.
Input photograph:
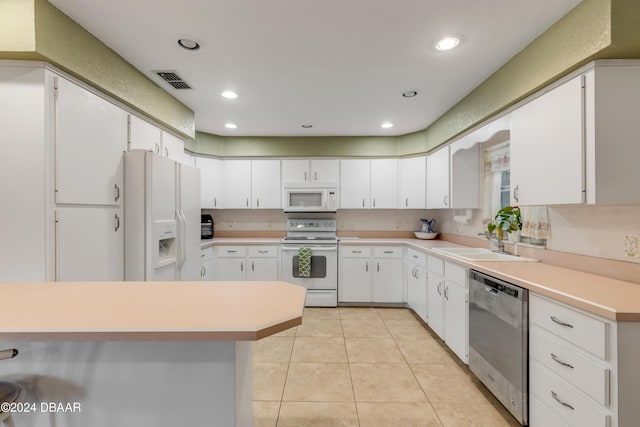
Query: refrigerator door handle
(182, 220)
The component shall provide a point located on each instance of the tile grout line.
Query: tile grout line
(344, 340)
(286, 376)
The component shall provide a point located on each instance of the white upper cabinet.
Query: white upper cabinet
(310, 170)
(355, 184)
(578, 142)
(91, 135)
(143, 135)
(237, 184)
(384, 183)
(212, 182)
(266, 188)
(173, 148)
(438, 179)
(547, 165)
(412, 178)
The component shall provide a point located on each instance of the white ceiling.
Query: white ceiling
(340, 65)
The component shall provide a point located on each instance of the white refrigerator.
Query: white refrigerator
(161, 218)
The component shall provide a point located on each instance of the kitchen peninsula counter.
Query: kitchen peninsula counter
(140, 353)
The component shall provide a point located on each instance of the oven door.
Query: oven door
(324, 266)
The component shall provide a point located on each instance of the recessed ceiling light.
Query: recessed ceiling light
(387, 125)
(307, 126)
(189, 44)
(447, 43)
(229, 94)
(410, 93)
(231, 125)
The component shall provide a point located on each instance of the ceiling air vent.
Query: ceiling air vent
(173, 79)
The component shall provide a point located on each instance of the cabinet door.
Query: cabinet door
(262, 269)
(465, 175)
(237, 184)
(412, 180)
(384, 183)
(456, 324)
(91, 135)
(208, 272)
(266, 188)
(438, 179)
(295, 170)
(89, 244)
(355, 189)
(417, 290)
(325, 171)
(172, 147)
(435, 307)
(547, 155)
(387, 280)
(355, 283)
(212, 182)
(143, 135)
(231, 269)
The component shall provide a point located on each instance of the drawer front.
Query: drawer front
(580, 329)
(231, 251)
(355, 251)
(263, 251)
(558, 395)
(418, 258)
(206, 254)
(388, 251)
(435, 264)
(541, 416)
(584, 373)
(456, 274)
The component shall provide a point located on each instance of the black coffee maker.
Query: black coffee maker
(206, 226)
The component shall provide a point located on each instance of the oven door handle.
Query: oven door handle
(323, 248)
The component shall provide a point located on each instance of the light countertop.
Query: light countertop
(148, 311)
(240, 241)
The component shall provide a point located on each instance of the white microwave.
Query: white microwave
(309, 198)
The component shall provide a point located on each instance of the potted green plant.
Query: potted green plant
(507, 220)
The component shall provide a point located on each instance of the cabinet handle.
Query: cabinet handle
(305, 176)
(241, 265)
(201, 255)
(439, 286)
(446, 198)
(406, 202)
(315, 176)
(363, 202)
(415, 256)
(258, 202)
(263, 251)
(204, 271)
(561, 323)
(560, 362)
(374, 202)
(253, 266)
(117, 192)
(388, 252)
(117, 218)
(446, 293)
(157, 150)
(9, 353)
(247, 203)
(215, 202)
(356, 252)
(231, 252)
(378, 267)
(516, 193)
(366, 266)
(557, 399)
(166, 152)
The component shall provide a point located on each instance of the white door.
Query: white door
(162, 180)
(211, 182)
(295, 171)
(456, 314)
(89, 244)
(262, 269)
(435, 290)
(384, 183)
(438, 179)
(143, 135)
(412, 178)
(387, 280)
(266, 188)
(231, 269)
(237, 184)
(547, 154)
(355, 284)
(325, 170)
(188, 183)
(91, 135)
(355, 188)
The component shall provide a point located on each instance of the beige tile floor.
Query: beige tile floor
(366, 367)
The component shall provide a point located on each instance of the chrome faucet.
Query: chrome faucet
(494, 239)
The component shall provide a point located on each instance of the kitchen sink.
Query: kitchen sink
(481, 254)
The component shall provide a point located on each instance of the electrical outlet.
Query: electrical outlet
(398, 224)
(632, 245)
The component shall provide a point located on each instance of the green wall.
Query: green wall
(17, 29)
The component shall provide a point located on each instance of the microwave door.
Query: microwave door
(305, 200)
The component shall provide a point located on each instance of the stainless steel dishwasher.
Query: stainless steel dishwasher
(498, 340)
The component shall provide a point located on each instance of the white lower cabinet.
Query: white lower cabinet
(448, 304)
(254, 262)
(371, 274)
(416, 273)
(207, 271)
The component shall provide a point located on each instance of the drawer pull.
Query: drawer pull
(356, 252)
(388, 252)
(415, 256)
(557, 399)
(560, 362)
(263, 252)
(561, 323)
(231, 252)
